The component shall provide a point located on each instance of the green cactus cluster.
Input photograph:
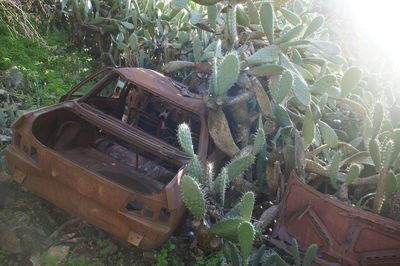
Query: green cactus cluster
(232, 170)
(271, 79)
(236, 226)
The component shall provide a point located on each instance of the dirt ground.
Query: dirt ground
(35, 232)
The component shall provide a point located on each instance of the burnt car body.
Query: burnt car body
(345, 235)
(110, 155)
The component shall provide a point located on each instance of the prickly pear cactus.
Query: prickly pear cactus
(193, 196)
(247, 205)
(246, 238)
(310, 255)
(195, 169)
(227, 74)
(239, 165)
(185, 139)
(259, 139)
(227, 228)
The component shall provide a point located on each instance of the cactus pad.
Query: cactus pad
(193, 196)
(315, 24)
(185, 139)
(227, 228)
(334, 168)
(350, 80)
(227, 73)
(246, 238)
(329, 135)
(247, 205)
(267, 21)
(374, 151)
(239, 165)
(352, 174)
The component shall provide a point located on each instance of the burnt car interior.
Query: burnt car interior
(119, 160)
(143, 110)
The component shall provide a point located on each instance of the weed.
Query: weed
(167, 255)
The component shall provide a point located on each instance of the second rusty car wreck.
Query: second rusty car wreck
(111, 155)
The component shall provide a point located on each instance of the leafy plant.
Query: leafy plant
(309, 256)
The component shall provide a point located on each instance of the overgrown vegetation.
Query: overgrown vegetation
(34, 71)
(280, 95)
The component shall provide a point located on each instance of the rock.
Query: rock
(9, 239)
(54, 255)
(15, 76)
(4, 178)
(149, 255)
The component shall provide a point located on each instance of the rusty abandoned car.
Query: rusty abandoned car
(111, 155)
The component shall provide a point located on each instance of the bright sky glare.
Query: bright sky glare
(379, 23)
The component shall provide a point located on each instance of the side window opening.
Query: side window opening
(86, 87)
(141, 109)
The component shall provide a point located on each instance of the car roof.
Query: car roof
(162, 86)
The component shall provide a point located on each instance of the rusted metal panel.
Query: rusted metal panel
(92, 161)
(344, 234)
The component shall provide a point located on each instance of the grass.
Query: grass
(49, 70)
